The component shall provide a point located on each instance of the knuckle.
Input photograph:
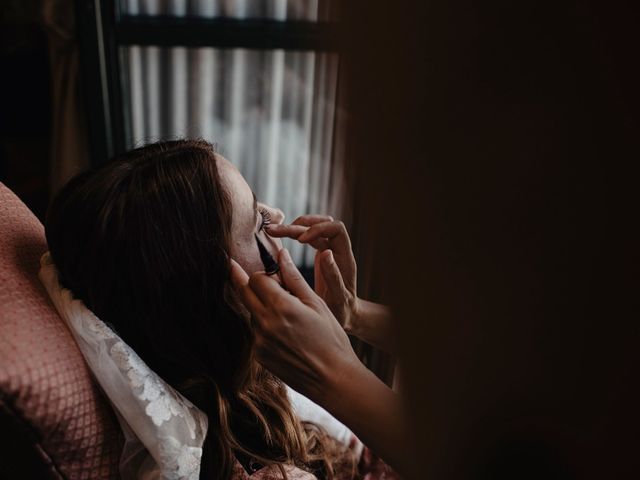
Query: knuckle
(255, 280)
(264, 331)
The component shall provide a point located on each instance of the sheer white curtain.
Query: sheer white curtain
(270, 112)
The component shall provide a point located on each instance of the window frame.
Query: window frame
(102, 28)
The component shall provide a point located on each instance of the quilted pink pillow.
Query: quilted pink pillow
(54, 422)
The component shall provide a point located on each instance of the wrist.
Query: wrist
(353, 320)
(371, 322)
(342, 386)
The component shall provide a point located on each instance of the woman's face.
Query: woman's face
(249, 218)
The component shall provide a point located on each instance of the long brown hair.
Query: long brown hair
(143, 241)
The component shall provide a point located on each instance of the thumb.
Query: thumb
(292, 279)
(240, 282)
(331, 274)
(239, 277)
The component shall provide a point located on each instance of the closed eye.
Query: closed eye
(266, 217)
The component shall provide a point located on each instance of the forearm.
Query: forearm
(371, 322)
(360, 400)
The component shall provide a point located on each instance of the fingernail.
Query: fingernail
(329, 257)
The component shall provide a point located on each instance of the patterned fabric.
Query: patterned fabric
(45, 381)
(164, 431)
(43, 377)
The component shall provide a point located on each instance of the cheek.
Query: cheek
(247, 256)
(274, 245)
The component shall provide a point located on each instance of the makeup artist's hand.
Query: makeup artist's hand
(299, 340)
(335, 266)
(297, 336)
(335, 278)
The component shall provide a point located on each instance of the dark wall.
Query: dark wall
(25, 105)
(497, 145)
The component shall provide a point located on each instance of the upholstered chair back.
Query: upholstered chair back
(54, 420)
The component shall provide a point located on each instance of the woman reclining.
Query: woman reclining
(145, 241)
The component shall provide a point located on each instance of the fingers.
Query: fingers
(315, 230)
(331, 275)
(319, 243)
(239, 277)
(289, 231)
(328, 230)
(293, 279)
(297, 227)
(294, 231)
(261, 292)
(240, 281)
(264, 297)
(308, 220)
(266, 288)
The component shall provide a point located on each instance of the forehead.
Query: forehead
(240, 194)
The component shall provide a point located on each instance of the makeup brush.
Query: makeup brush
(270, 265)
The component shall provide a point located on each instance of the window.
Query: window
(258, 78)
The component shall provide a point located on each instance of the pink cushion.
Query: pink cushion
(44, 382)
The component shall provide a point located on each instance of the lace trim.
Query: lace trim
(172, 429)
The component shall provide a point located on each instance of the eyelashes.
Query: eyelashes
(266, 217)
